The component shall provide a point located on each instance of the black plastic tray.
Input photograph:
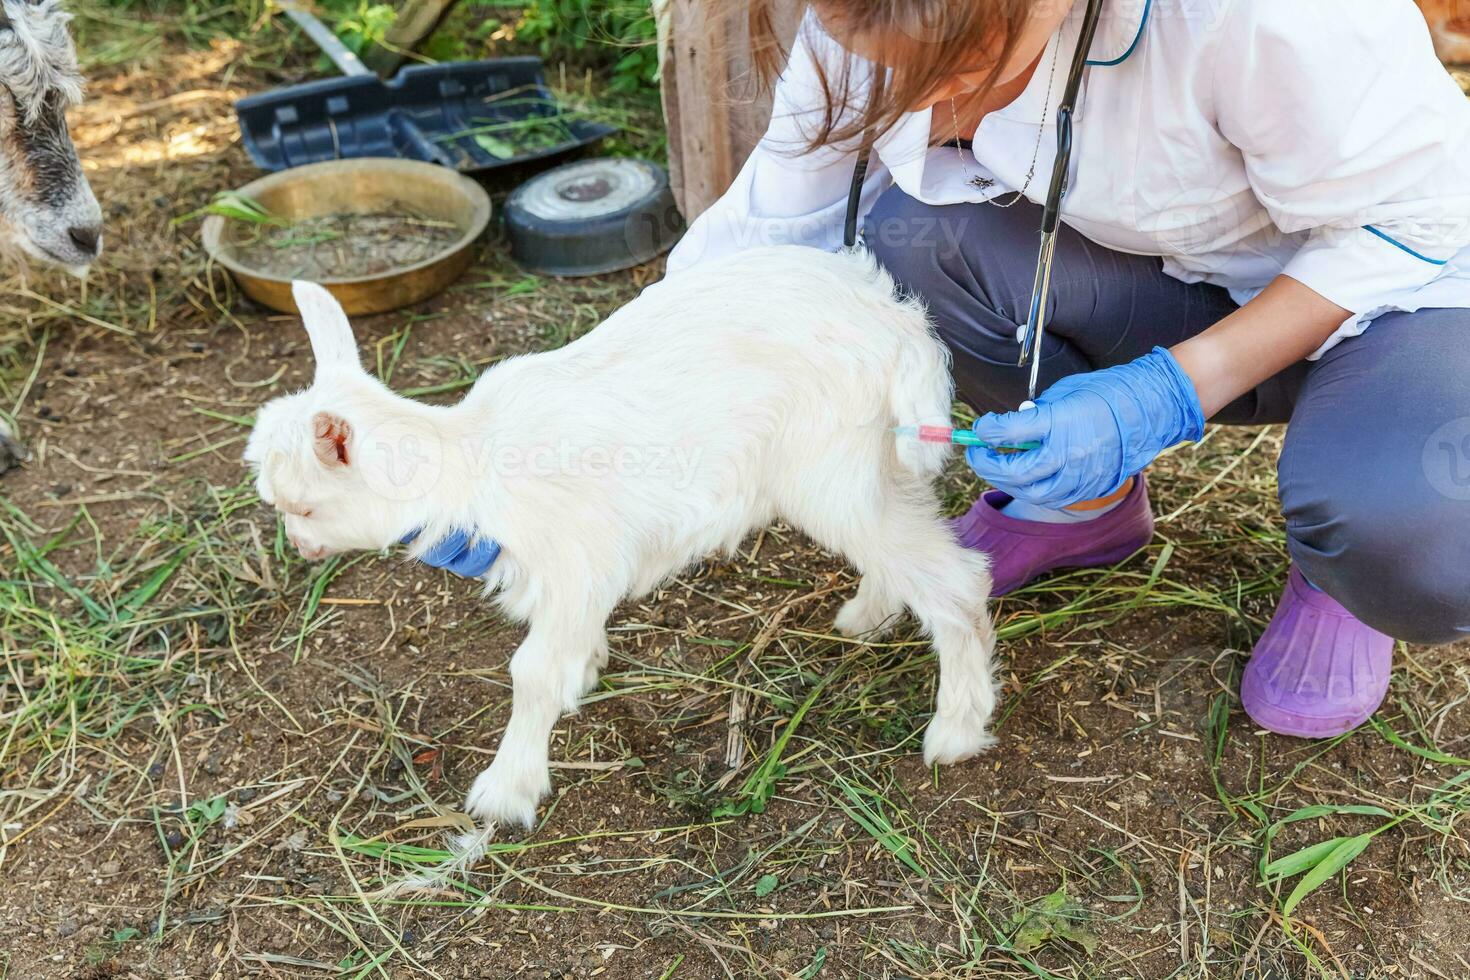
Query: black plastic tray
(423, 113)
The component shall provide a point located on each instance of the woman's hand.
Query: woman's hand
(1095, 429)
(461, 554)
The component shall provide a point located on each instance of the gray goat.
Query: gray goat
(47, 210)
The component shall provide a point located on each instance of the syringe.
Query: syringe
(958, 437)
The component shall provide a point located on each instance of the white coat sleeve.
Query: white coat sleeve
(783, 195)
(1354, 136)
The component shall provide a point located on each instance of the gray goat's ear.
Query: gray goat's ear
(326, 324)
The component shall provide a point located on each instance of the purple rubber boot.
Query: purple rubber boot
(1316, 672)
(1021, 551)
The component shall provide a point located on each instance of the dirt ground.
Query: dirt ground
(218, 761)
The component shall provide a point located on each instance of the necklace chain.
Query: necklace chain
(985, 183)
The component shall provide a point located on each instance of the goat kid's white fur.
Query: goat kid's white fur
(762, 386)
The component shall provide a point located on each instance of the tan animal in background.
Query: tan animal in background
(1449, 23)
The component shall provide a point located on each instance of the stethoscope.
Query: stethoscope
(1035, 327)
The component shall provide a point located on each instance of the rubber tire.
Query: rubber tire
(578, 246)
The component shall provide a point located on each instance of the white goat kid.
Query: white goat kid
(763, 386)
(47, 210)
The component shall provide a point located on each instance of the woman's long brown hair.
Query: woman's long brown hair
(931, 41)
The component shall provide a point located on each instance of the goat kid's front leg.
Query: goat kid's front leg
(549, 674)
(872, 612)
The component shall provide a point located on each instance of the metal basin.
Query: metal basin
(360, 186)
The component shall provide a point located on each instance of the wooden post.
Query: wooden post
(416, 20)
(713, 115)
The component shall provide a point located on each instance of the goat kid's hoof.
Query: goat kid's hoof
(505, 797)
(955, 738)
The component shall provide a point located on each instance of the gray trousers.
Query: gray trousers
(1374, 477)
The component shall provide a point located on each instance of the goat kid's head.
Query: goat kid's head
(47, 210)
(349, 464)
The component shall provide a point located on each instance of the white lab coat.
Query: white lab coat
(1237, 139)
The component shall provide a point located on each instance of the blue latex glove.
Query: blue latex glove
(458, 553)
(1095, 429)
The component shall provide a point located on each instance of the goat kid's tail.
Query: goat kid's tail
(921, 392)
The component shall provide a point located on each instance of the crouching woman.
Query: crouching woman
(1267, 221)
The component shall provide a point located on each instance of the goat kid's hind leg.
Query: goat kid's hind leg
(964, 640)
(912, 555)
(549, 674)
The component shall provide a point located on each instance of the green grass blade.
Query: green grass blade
(1308, 857)
(144, 593)
(1340, 857)
(1433, 755)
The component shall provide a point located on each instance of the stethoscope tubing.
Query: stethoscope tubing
(1034, 329)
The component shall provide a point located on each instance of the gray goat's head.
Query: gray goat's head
(47, 210)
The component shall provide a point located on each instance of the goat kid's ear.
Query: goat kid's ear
(330, 437)
(332, 343)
